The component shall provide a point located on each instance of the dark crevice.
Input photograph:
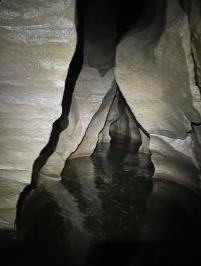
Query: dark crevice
(120, 129)
(137, 14)
(186, 5)
(196, 124)
(62, 123)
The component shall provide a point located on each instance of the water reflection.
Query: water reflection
(108, 211)
(111, 189)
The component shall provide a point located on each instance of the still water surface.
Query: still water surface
(108, 211)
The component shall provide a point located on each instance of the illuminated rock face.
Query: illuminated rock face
(154, 71)
(158, 83)
(195, 24)
(37, 41)
(93, 96)
(194, 13)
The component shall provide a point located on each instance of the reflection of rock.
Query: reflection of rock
(52, 224)
(157, 84)
(107, 208)
(101, 200)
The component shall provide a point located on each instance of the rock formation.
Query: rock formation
(158, 83)
(122, 78)
(37, 42)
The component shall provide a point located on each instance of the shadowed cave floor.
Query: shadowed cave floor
(108, 211)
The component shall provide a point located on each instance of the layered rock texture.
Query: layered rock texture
(158, 83)
(37, 42)
(128, 80)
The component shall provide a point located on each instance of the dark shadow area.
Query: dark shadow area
(107, 211)
(131, 14)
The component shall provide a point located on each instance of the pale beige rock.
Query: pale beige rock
(37, 41)
(104, 135)
(195, 26)
(174, 160)
(155, 74)
(88, 143)
(88, 96)
(155, 80)
(9, 193)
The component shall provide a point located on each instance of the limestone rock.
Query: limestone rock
(195, 26)
(37, 41)
(173, 162)
(120, 125)
(154, 76)
(154, 80)
(88, 96)
(97, 123)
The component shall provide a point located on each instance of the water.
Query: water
(111, 189)
(108, 211)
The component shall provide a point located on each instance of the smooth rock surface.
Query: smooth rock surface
(96, 125)
(195, 26)
(37, 41)
(89, 93)
(9, 193)
(120, 125)
(154, 73)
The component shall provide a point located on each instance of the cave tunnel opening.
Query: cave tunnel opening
(91, 214)
(100, 25)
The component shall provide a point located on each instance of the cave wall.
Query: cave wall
(194, 15)
(157, 70)
(37, 42)
(158, 83)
